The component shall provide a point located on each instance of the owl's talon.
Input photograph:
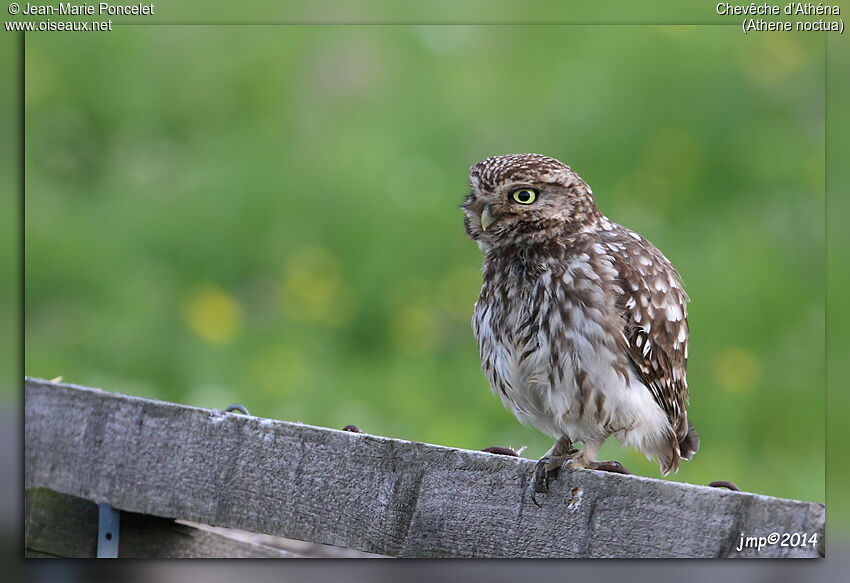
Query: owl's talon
(546, 470)
(540, 481)
(541, 476)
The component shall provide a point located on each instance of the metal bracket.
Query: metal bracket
(237, 408)
(108, 529)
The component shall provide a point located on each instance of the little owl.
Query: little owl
(581, 323)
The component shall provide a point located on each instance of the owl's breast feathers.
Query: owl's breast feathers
(601, 312)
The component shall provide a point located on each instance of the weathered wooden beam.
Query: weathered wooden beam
(59, 525)
(376, 494)
(297, 548)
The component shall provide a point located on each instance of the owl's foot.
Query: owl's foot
(545, 471)
(547, 468)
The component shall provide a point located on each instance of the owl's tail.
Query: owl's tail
(681, 448)
(689, 445)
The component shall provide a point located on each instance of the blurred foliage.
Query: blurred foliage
(269, 215)
(837, 283)
(10, 186)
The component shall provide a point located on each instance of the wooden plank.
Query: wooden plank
(59, 525)
(298, 548)
(375, 494)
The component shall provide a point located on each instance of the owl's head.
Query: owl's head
(525, 199)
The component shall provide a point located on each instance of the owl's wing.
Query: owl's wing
(653, 305)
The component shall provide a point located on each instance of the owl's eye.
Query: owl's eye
(524, 195)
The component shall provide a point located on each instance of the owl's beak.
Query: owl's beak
(487, 218)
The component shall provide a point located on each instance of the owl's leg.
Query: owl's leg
(586, 458)
(548, 466)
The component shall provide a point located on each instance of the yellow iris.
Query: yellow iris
(524, 196)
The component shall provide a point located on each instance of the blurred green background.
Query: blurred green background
(269, 215)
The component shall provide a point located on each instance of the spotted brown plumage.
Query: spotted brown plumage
(581, 323)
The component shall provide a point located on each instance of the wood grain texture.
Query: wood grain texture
(59, 525)
(371, 493)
